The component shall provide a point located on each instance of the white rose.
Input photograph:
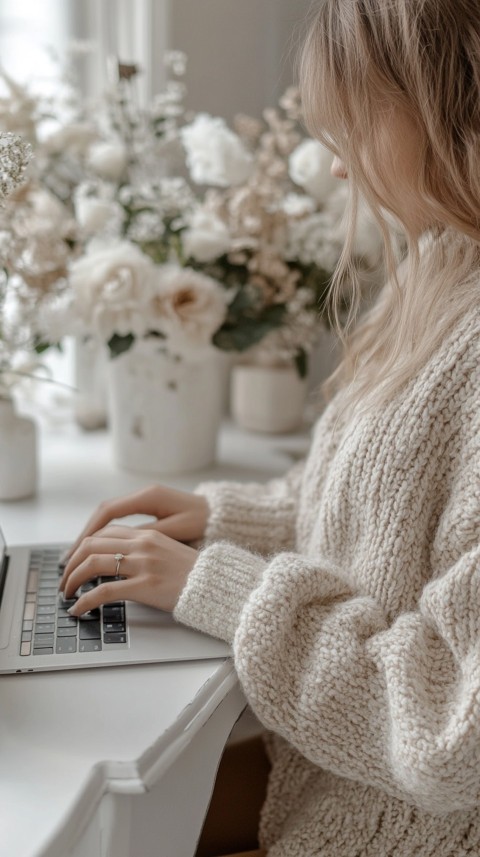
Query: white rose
(108, 160)
(75, 137)
(113, 287)
(188, 308)
(92, 213)
(207, 237)
(215, 154)
(309, 166)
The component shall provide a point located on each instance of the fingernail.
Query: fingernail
(72, 611)
(63, 559)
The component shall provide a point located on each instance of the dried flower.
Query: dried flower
(15, 155)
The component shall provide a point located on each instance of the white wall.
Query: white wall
(240, 51)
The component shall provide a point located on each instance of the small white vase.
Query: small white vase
(268, 399)
(18, 453)
(90, 360)
(165, 413)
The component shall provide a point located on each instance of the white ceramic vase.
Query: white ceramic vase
(165, 413)
(18, 453)
(268, 399)
(90, 361)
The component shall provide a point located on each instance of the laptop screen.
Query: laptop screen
(3, 563)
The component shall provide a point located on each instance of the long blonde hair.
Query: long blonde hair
(422, 56)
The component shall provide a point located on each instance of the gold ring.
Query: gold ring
(118, 558)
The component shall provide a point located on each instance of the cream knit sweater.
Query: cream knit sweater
(351, 592)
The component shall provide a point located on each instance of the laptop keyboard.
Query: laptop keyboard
(48, 628)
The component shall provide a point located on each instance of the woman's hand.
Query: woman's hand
(153, 570)
(178, 514)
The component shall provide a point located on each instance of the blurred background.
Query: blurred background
(240, 54)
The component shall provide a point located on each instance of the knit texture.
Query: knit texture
(350, 591)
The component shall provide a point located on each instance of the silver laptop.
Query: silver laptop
(36, 632)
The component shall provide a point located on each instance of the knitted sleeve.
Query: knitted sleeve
(392, 704)
(260, 517)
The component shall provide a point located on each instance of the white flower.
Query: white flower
(93, 214)
(215, 155)
(49, 212)
(298, 205)
(113, 286)
(108, 160)
(56, 318)
(368, 241)
(207, 237)
(314, 239)
(309, 166)
(75, 137)
(188, 308)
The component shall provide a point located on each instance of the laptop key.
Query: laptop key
(44, 627)
(45, 610)
(66, 645)
(114, 626)
(90, 631)
(90, 646)
(45, 651)
(113, 614)
(42, 640)
(114, 638)
(67, 632)
(67, 622)
(91, 616)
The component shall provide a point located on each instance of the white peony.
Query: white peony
(207, 237)
(188, 308)
(215, 154)
(113, 287)
(309, 166)
(108, 160)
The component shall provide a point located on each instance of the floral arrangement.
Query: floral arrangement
(35, 245)
(157, 223)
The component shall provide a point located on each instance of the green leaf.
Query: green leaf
(119, 344)
(242, 334)
(301, 362)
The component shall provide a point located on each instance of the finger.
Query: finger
(102, 542)
(100, 554)
(94, 566)
(182, 526)
(105, 593)
(138, 503)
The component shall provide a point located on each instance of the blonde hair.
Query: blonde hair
(423, 58)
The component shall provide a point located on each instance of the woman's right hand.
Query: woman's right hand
(178, 514)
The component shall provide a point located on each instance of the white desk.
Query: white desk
(114, 762)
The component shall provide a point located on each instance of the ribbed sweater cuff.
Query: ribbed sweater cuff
(217, 588)
(247, 516)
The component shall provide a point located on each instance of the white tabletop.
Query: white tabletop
(66, 738)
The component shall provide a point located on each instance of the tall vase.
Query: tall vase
(165, 412)
(90, 378)
(268, 399)
(18, 453)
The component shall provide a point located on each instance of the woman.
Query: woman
(350, 589)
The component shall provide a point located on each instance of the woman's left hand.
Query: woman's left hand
(153, 571)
